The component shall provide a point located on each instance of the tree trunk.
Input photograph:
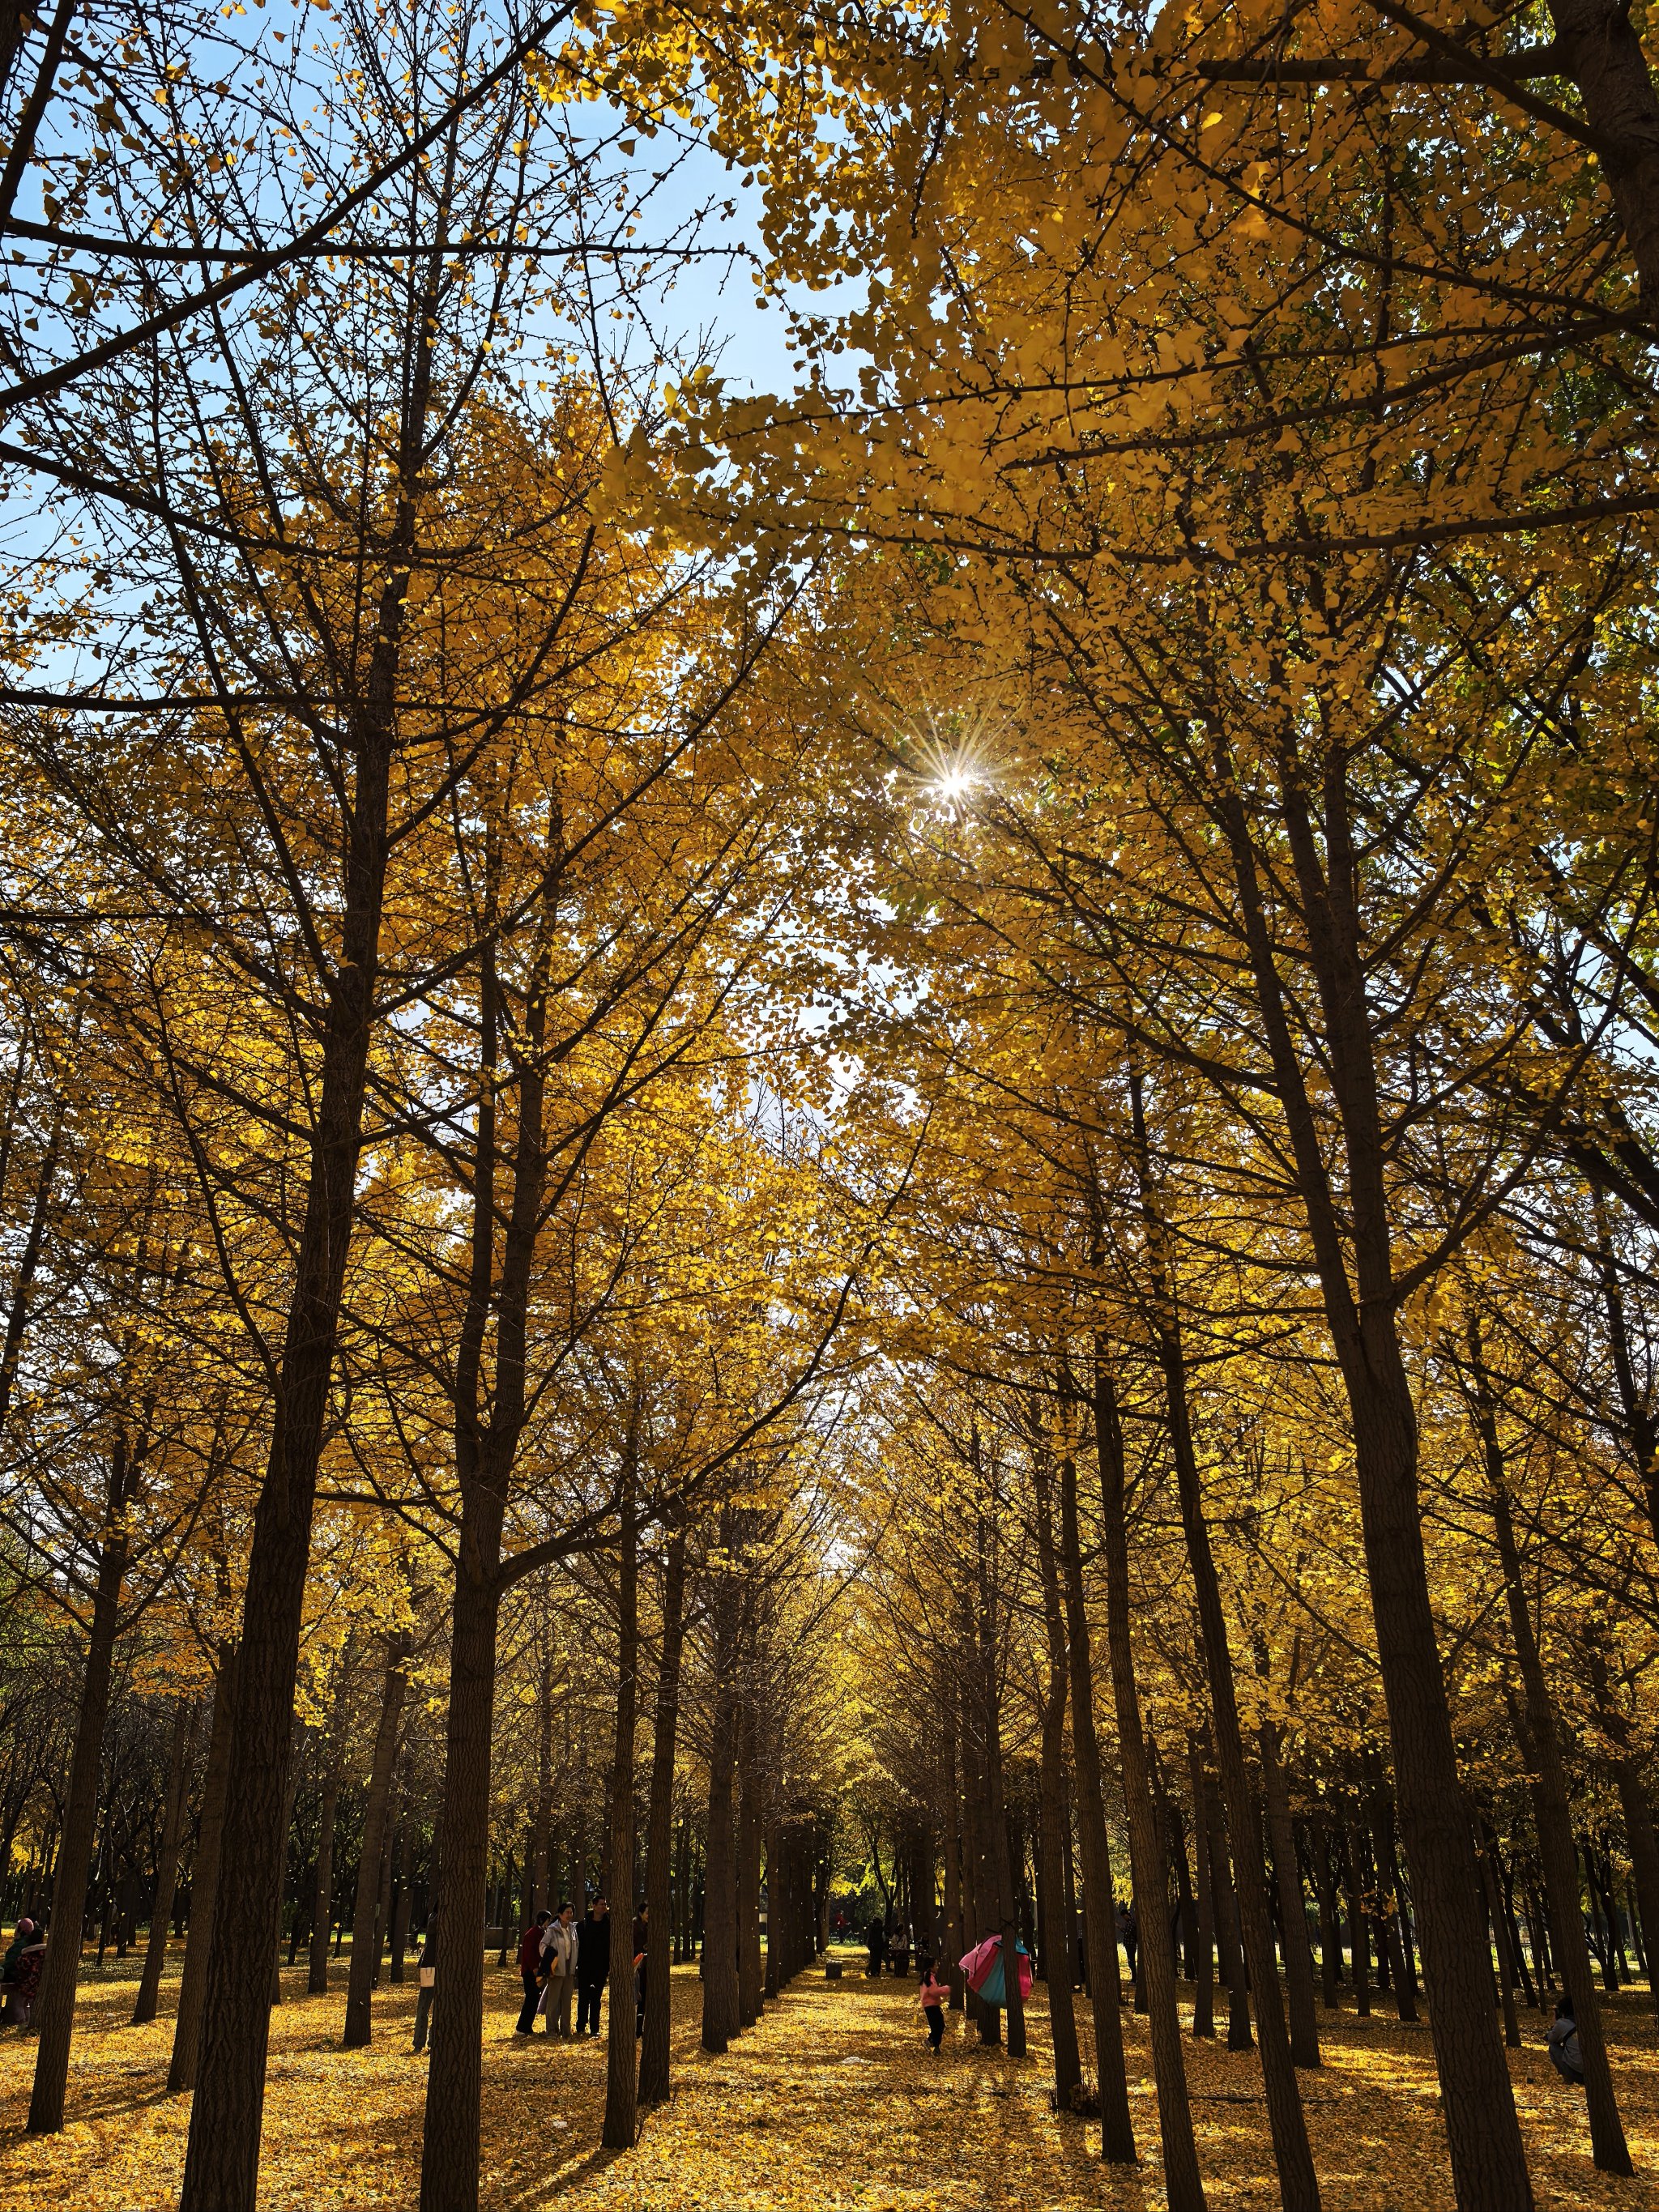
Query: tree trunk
(1183, 2187)
(1287, 2124)
(1359, 1941)
(1501, 1945)
(720, 1936)
(1000, 1867)
(322, 1908)
(654, 2063)
(1330, 1927)
(365, 1922)
(221, 2165)
(1506, 1892)
(541, 1853)
(485, 1452)
(1643, 1859)
(292, 1791)
(166, 1860)
(1483, 2132)
(1292, 1913)
(204, 1880)
(54, 2012)
(1390, 1915)
(400, 1891)
(450, 2140)
(1057, 1948)
(1204, 1984)
(1094, 1846)
(1224, 1911)
(1602, 53)
(749, 1843)
(1551, 1810)
(622, 2072)
(956, 1924)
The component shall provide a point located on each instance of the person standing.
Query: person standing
(592, 1965)
(9, 1971)
(1129, 1934)
(30, 1963)
(877, 1943)
(559, 1968)
(529, 1973)
(935, 1995)
(428, 1971)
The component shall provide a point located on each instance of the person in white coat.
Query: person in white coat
(559, 1965)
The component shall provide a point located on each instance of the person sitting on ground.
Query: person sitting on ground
(1565, 2054)
(19, 1937)
(935, 1995)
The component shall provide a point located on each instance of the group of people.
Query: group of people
(20, 1972)
(891, 1951)
(562, 1958)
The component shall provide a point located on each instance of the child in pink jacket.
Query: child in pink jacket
(935, 1995)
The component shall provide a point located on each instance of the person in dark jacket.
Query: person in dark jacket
(592, 1965)
(30, 1965)
(1567, 2055)
(1129, 1934)
(11, 2002)
(529, 1973)
(877, 1942)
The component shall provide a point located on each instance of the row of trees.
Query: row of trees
(416, 1296)
(1262, 402)
(1085, 898)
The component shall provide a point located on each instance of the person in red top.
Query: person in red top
(529, 1973)
(935, 1995)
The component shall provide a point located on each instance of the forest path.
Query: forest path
(832, 2103)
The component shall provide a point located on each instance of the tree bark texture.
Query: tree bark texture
(1183, 2186)
(720, 1938)
(373, 1863)
(749, 1855)
(54, 2012)
(1552, 1808)
(322, 1908)
(1287, 2124)
(203, 1879)
(621, 2069)
(1203, 1983)
(450, 2142)
(1292, 1913)
(1483, 2132)
(1094, 1846)
(1062, 2017)
(166, 1860)
(654, 2064)
(1000, 1866)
